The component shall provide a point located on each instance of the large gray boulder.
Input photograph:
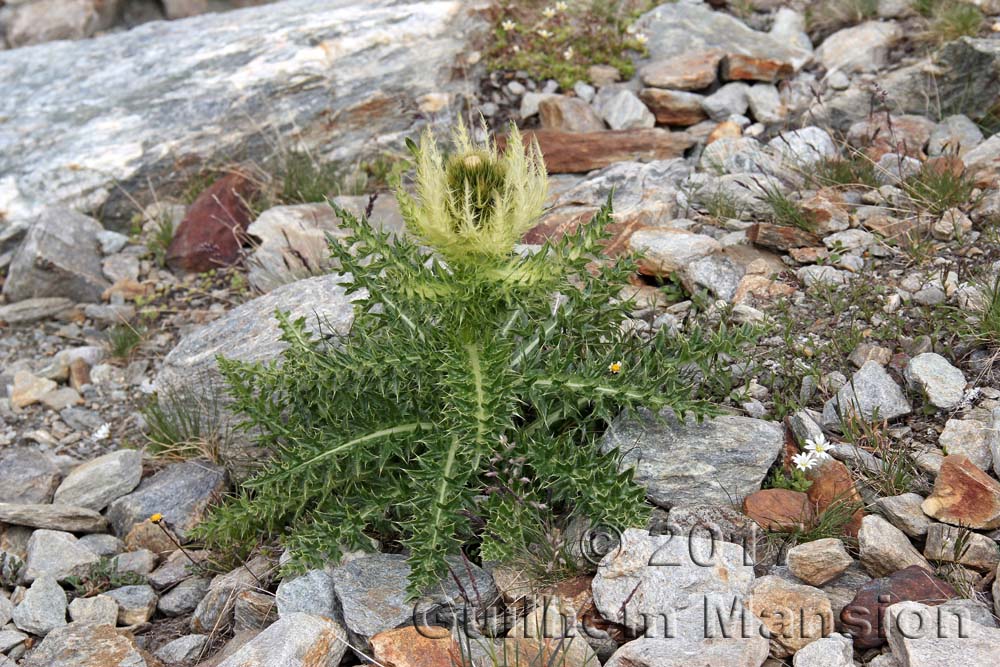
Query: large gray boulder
(690, 463)
(89, 124)
(60, 256)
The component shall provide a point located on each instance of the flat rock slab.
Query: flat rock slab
(297, 640)
(27, 476)
(96, 483)
(579, 152)
(89, 645)
(54, 517)
(180, 493)
(687, 463)
(678, 28)
(87, 123)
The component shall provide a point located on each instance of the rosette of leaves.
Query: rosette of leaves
(464, 407)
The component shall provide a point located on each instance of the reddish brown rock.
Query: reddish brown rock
(779, 509)
(214, 229)
(725, 130)
(889, 228)
(964, 495)
(673, 107)
(832, 485)
(827, 211)
(780, 237)
(559, 223)
(880, 134)
(864, 617)
(79, 374)
(739, 67)
(688, 71)
(757, 290)
(416, 647)
(578, 152)
(808, 255)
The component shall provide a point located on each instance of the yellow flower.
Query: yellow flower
(156, 518)
(615, 367)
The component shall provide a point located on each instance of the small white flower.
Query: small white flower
(819, 446)
(549, 12)
(641, 38)
(147, 386)
(805, 461)
(568, 53)
(631, 29)
(561, 6)
(544, 34)
(102, 432)
(508, 25)
(516, 48)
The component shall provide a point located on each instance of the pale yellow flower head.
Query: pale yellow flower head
(477, 202)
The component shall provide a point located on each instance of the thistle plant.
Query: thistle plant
(463, 409)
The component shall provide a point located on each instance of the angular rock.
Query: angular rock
(54, 517)
(253, 610)
(419, 647)
(6, 612)
(683, 652)
(665, 251)
(568, 114)
(310, 593)
(922, 637)
(59, 257)
(904, 512)
(100, 124)
(27, 476)
(780, 510)
(297, 640)
(622, 110)
(10, 640)
(970, 438)
(98, 610)
(885, 549)
(24, 24)
(86, 645)
(29, 389)
(765, 104)
(687, 463)
(184, 597)
(140, 561)
(136, 604)
(729, 100)
(102, 545)
(964, 495)
(716, 273)
(870, 392)
(58, 555)
(578, 152)
(681, 28)
(833, 651)
(954, 135)
(951, 544)
(795, 615)
(181, 493)
(864, 617)
(819, 561)
(42, 609)
(215, 611)
(832, 485)
(803, 147)
(942, 383)
(739, 67)
(214, 229)
(780, 237)
(864, 47)
(686, 71)
(96, 483)
(188, 648)
(176, 568)
(372, 592)
(673, 107)
(649, 577)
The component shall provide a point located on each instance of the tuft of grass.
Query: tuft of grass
(937, 190)
(186, 425)
(159, 241)
(826, 17)
(304, 179)
(948, 20)
(855, 170)
(719, 205)
(896, 473)
(124, 339)
(563, 46)
(103, 576)
(786, 211)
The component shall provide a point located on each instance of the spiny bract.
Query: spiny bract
(463, 409)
